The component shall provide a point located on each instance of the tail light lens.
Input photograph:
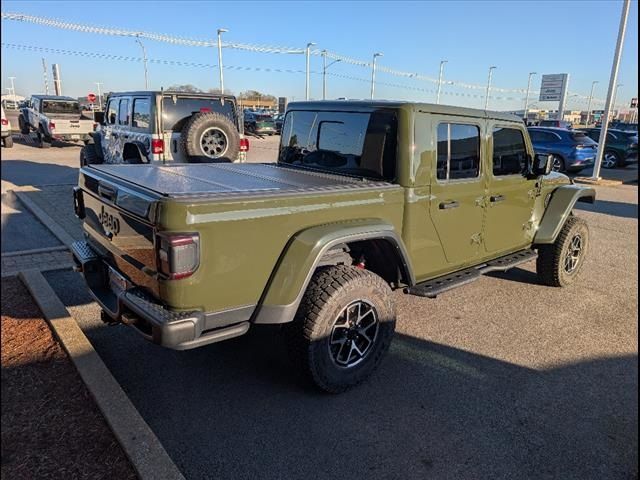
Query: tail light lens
(244, 144)
(157, 146)
(5, 121)
(205, 110)
(579, 147)
(178, 254)
(52, 125)
(95, 126)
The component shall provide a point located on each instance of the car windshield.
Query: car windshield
(263, 118)
(350, 143)
(60, 106)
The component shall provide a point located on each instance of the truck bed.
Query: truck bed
(224, 179)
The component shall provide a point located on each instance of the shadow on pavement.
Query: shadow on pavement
(31, 141)
(25, 172)
(616, 209)
(21, 230)
(237, 410)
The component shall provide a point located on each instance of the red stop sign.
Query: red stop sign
(91, 97)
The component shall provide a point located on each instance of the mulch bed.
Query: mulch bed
(51, 427)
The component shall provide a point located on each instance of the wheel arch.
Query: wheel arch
(135, 149)
(320, 246)
(562, 201)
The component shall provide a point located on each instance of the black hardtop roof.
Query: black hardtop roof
(368, 105)
(171, 92)
(54, 97)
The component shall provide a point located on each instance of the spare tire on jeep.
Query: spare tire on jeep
(210, 137)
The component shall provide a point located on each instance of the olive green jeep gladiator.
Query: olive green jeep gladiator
(366, 197)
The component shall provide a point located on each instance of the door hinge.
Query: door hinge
(476, 238)
(527, 225)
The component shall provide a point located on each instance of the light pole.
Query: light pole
(593, 85)
(324, 73)
(526, 100)
(306, 85)
(373, 73)
(486, 100)
(220, 32)
(99, 94)
(442, 62)
(13, 88)
(144, 59)
(612, 81)
(615, 94)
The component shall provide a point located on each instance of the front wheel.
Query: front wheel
(559, 263)
(558, 163)
(23, 125)
(343, 327)
(43, 141)
(8, 141)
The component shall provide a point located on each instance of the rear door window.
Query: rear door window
(141, 113)
(458, 151)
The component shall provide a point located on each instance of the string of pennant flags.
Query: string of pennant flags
(159, 37)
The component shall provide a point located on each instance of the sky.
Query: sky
(518, 37)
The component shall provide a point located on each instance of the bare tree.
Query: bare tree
(185, 88)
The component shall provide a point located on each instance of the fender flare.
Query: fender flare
(143, 151)
(563, 199)
(301, 256)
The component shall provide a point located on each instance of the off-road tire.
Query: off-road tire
(8, 141)
(23, 125)
(198, 124)
(550, 264)
(43, 140)
(88, 155)
(331, 290)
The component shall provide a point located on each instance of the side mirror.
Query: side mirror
(542, 164)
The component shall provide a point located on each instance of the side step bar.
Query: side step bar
(432, 288)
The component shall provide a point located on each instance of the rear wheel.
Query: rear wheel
(210, 137)
(343, 327)
(88, 155)
(610, 159)
(43, 141)
(8, 141)
(23, 125)
(559, 263)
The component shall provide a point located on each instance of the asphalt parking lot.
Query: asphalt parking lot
(503, 378)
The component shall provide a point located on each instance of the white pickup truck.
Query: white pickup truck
(54, 117)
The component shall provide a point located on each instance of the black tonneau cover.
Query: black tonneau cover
(187, 180)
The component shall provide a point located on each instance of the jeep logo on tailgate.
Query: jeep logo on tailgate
(110, 223)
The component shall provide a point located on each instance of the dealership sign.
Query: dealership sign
(553, 87)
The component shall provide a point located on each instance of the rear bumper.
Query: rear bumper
(179, 330)
(71, 137)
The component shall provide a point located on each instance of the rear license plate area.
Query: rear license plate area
(116, 281)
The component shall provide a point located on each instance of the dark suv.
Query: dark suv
(167, 127)
(620, 147)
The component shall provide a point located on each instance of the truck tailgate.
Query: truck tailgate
(65, 126)
(120, 223)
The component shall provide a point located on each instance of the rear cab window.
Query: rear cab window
(60, 107)
(361, 144)
(177, 110)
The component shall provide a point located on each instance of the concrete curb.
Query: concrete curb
(601, 181)
(146, 453)
(46, 220)
(34, 250)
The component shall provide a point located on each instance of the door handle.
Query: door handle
(447, 205)
(496, 198)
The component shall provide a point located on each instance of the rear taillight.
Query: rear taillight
(95, 126)
(178, 254)
(205, 110)
(579, 147)
(244, 144)
(52, 125)
(157, 146)
(5, 121)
